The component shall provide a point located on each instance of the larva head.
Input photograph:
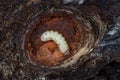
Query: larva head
(45, 36)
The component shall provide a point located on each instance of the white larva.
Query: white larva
(56, 37)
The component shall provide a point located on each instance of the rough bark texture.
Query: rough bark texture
(17, 15)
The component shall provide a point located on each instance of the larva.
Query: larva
(56, 37)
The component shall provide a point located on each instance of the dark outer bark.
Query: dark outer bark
(16, 16)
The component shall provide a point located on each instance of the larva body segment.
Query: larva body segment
(56, 37)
